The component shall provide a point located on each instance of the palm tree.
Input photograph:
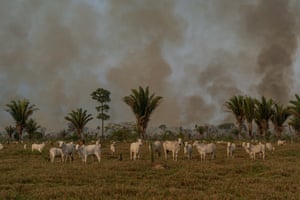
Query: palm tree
(249, 112)
(280, 115)
(294, 109)
(20, 111)
(10, 131)
(263, 113)
(235, 106)
(142, 104)
(32, 128)
(79, 119)
(295, 124)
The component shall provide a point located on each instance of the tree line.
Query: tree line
(141, 101)
(262, 112)
(246, 110)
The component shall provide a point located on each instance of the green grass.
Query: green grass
(27, 175)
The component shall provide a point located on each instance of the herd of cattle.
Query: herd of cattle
(66, 151)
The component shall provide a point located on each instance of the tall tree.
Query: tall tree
(79, 119)
(235, 106)
(20, 111)
(103, 97)
(142, 104)
(263, 113)
(280, 115)
(249, 112)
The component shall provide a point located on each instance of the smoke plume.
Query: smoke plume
(272, 26)
(195, 54)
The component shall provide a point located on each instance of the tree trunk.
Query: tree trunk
(265, 128)
(279, 131)
(102, 129)
(79, 133)
(142, 134)
(239, 122)
(102, 122)
(141, 129)
(250, 129)
(260, 130)
(19, 129)
(240, 130)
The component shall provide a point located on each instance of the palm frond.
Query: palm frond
(142, 104)
(79, 118)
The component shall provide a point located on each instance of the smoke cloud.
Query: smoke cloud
(273, 27)
(196, 54)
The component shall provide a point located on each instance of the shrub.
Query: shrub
(123, 134)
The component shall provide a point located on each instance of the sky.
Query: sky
(196, 54)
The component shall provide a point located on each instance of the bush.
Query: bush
(123, 134)
(168, 135)
(34, 136)
(73, 137)
(235, 133)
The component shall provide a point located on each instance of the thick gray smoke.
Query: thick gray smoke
(196, 54)
(272, 25)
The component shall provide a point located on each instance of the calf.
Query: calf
(38, 147)
(55, 152)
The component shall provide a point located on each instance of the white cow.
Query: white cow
(86, 150)
(230, 149)
(173, 146)
(156, 147)
(187, 150)
(204, 149)
(55, 152)
(38, 147)
(113, 147)
(68, 150)
(270, 147)
(252, 150)
(60, 142)
(135, 149)
(281, 142)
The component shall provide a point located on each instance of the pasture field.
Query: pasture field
(30, 175)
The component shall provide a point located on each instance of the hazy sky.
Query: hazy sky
(194, 53)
